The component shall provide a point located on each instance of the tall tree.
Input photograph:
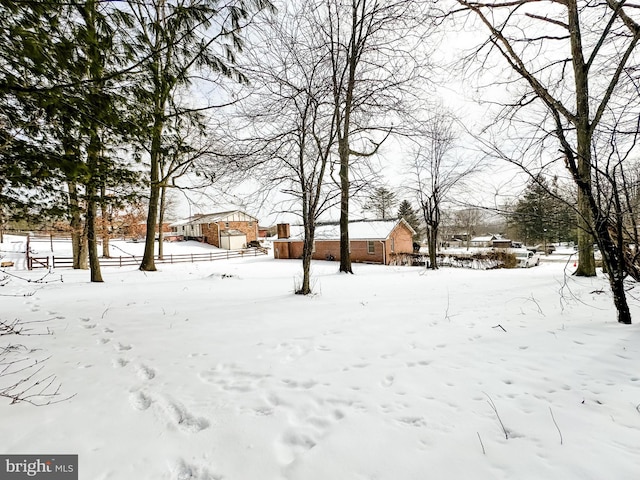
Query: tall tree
(571, 58)
(467, 221)
(540, 214)
(436, 173)
(57, 93)
(293, 121)
(178, 41)
(373, 65)
(382, 202)
(32, 38)
(407, 212)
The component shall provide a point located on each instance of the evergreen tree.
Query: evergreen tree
(542, 215)
(381, 203)
(177, 42)
(407, 212)
(60, 113)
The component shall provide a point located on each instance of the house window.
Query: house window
(226, 224)
(313, 248)
(371, 247)
(251, 224)
(393, 244)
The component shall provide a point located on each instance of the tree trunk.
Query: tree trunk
(94, 260)
(163, 196)
(307, 254)
(613, 258)
(78, 238)
(432, 239)
(92, 204)
(94, 147)
(586, 260)
(148, 259)
(345, 254)
(104, 223)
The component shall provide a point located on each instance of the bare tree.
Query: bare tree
(467, 221)
(436, 172)
(571, 61)
(373, 65)
(293, 121)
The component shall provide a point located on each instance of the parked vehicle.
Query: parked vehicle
(541, 248)
(526, 258)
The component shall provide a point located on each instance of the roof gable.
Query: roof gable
(228, 216)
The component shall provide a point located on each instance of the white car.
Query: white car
(526, 258)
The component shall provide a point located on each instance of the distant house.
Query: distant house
(501, 243)
(484, 241)
(377, 241)
(229, 230)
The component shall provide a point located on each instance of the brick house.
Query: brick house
(379, 241)
(229, 230)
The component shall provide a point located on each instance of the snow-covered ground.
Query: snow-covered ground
(217, 371)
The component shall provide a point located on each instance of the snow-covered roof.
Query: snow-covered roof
(212, 218)
(361, 230)
(232, 233)
(487, 238)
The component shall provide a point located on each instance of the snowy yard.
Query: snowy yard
(217, 371)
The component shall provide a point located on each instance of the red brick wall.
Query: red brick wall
(325, 248)
(360, 252)
(251, 231)
(403, 243)
(210, 233)
(291, 249)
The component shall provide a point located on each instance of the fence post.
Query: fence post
(29, 266)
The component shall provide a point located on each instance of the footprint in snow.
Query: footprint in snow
(388, 381)
(121, 348)
(178, 415)
(412, 421)
(119, 363)
(145, 373)
(305, 431)
(139, 400)
(181, 470)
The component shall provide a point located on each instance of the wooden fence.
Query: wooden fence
(67, 262)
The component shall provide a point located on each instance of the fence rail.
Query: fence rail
(131, 260)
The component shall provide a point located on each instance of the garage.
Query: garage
(232, 239)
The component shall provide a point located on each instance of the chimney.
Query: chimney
(283, 230)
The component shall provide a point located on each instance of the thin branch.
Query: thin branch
(556, 424)
(495, 410)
